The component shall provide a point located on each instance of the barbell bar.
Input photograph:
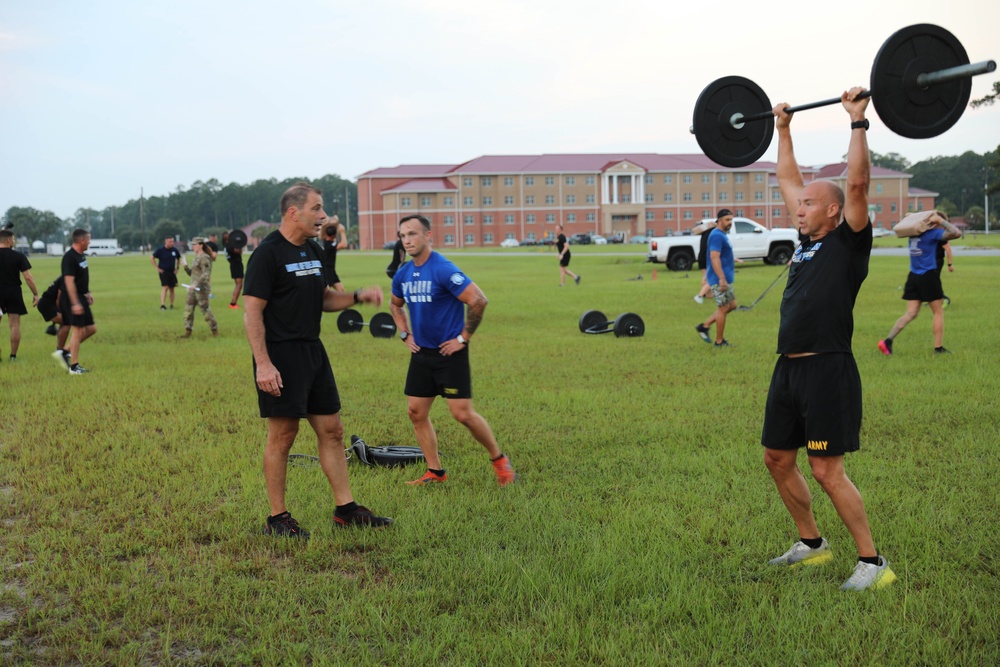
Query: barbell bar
(627, 324)
(381, 326)
(921, 75)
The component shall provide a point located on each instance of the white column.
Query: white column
(614, 189)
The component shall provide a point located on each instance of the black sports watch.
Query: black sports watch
(403, 335)
(860, 124)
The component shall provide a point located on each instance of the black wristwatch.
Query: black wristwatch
(860, 124)
(403, 335)
(356, 299)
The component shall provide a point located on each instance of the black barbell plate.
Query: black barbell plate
(902, 105)
(629, 324)
(237, 239)
(349, 321)
(719, 140)
(591, 319)
(382, 325)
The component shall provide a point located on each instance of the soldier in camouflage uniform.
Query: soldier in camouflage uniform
(201, 285)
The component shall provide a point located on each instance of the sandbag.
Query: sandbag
(914, 224)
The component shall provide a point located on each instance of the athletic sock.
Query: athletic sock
(345, 510)
(812, 542)
(936, 349)
(439, 473)
(498, 458)
(871, 560)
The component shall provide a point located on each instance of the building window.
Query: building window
(405, 202)
(570, 180)
(529, 180)
(649, 179)
(487, 201)
(649, 216)
(777, 212)
(570, 199)
(530, 236)
(487, 219)
(739, 212)
(739, 196)
(508, 181)
(508, 220)
(449, 221)
(550, 199)
(550, 180)
(687, 196)
(591, 217)
(487, 238)
(723, 178)
(705, 213)
(449, 201)
(590, 180)
(470, 239)
(626, 199)
(467, 182)
(486, 182)
(920, 206)
(530, 200)
(467, 201)
(668, 196)
(878, 207)
(758, 213)
(878, 189)
(758, 195)
(668, 178)
(449, 239)
(571, 217)
(668, 215)
(706, 178)
(590, 199)
(469, 220)
(737, 178)
(687, 215)
(425, 201)
(777, 195)
(758, 178)
(892, 207)
(649, 197)
(723, 196)
(706, 196)
(508, 200)
(550, 217)
(530, 218)
(687, 178)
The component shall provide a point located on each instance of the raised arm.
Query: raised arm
(859, 166)
(789, 177)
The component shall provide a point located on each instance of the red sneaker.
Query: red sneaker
(505, 472)
(430, 478)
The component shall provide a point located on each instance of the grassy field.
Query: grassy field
(132, 498)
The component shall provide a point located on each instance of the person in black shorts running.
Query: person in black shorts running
(814, 400)
(562, 247)
(75, 301)
(445, 310)
(284, 302)
(13, 265)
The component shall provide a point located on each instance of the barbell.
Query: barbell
(920, 84)
(237, 240)
(626, 324)
(381, 326)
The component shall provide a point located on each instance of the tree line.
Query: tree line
(206, 207)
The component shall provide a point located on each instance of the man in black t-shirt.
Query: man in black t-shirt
(814, 400)
(562, 247)
(75, 301)
(167, 261)
(284, 301)
(12, 266)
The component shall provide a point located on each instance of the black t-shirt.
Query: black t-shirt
(561, 243)
(703, 259)
(12, 263)
(52, 291)
(939, 253)
(817, 308)
(330, 255)
(167, 258)
(75, 264)
(212, 245)
(290, 279)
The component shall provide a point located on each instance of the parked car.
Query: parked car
(509, 243)
(637, 239)
(579, 239)
(597, 239)
(881, 231)
(388, 245)
(617, 238)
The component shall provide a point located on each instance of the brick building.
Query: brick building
(495, 197)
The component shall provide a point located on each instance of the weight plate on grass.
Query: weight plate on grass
(713, 128)
(591, 319)
(382, 325)
(629, 324)
(349, 321)
(906, 108)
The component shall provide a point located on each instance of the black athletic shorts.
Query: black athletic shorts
(814, 402)
(12, 301)
(168, 279)
(309, 387)
(236, 269)
(48, 309)
(564, 260)
(433, 374)
(68, 318)
(923, 287)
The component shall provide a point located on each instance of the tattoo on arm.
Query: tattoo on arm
(474, 315)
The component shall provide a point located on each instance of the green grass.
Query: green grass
(131, 499)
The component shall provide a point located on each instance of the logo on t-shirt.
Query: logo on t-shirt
(309, 268)
(801, 256)
(457, 278)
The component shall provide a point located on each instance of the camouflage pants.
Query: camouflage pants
(199, 297)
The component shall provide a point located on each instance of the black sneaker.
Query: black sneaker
(77, 369)
(703, 332)
(163, 307)
(937, 350)
(724, 343)
(361, 516)
(284, 525)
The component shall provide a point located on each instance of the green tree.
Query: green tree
(164, 228)
(948, 207)
(262, 231)
(976, 218)
(987, 100)
(34, 224)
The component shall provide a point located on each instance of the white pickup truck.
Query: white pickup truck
(750, 241)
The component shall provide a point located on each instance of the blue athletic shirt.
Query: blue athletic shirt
(923, 249)
(719, 242)
(431, 292)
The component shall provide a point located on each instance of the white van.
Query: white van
(103, 247)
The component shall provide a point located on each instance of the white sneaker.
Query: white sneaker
(61, 360)
(699, 298)
(868, 576)
(800, 554)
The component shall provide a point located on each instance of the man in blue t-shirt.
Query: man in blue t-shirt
(167, 259)
(923, 285)
(445, 310)
(720, 275)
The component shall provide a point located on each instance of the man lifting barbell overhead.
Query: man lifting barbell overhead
(814, 399)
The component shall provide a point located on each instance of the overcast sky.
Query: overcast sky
(99, 99)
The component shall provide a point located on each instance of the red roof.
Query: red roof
(424, 185)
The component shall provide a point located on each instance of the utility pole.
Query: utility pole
(142, 220)
(347, 211)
